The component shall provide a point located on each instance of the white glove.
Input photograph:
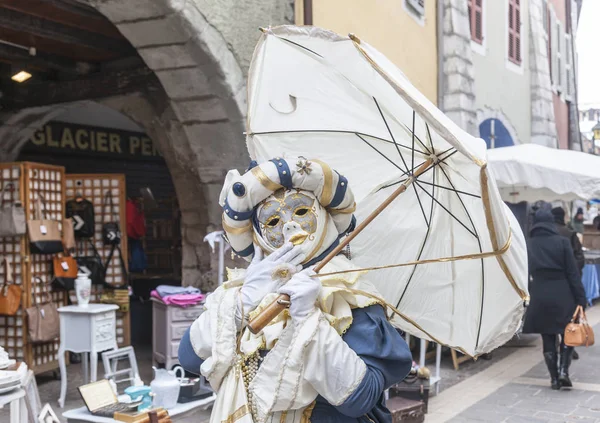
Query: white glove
(259, 280)
(303, 290)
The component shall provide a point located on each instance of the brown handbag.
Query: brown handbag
(43, 320)
(44, 234)
(578, 332)
(10, 294)
(65, 271)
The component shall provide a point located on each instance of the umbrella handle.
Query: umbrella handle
(282, 302)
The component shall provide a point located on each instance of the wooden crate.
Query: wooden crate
(93, 187)
(31, 180)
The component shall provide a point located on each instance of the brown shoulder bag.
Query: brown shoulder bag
(578, 332)
(10, 294)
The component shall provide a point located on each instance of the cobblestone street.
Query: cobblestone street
(516, 389)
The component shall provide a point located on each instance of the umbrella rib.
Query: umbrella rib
(392, 135)
(429, 136)
(300, 45)
(404, 173)
(418, 139)
(334, 131)
(413, 142)
(447, 211)
(451, 189)
(422, 246)
(421, 206)
(429, 183)
(480, 250)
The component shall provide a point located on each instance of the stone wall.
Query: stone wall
(457, 97)
(543, 126)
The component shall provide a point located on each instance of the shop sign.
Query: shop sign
(72, 139)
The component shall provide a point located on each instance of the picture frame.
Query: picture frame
(32, 397)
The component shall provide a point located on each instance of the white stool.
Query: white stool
(87, 330)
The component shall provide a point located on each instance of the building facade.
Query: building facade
(508, 70)
(404, 31)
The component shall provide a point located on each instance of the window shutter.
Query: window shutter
(476, 20)
(569, 87)
(563, 60)
(553, 51)
(514, 31)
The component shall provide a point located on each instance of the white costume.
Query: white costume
(268, 207)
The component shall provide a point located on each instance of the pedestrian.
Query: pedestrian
(577, 222)
(556, 290)
(571, 235)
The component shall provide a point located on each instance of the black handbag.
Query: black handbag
(122, 262)
(111, 231)
(81, 211)
(92, 266)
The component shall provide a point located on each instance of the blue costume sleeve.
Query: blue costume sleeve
(188, 358)
(385, 353)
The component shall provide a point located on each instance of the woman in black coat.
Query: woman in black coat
(555, 292)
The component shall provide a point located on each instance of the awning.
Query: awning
(530, 172)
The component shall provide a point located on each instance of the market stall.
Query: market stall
(531, 173)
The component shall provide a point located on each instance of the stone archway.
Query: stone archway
(200, 52)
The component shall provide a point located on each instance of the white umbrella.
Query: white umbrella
(316, 94)
(531, 172)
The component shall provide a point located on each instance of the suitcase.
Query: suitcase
(406, 411)
(412, 388)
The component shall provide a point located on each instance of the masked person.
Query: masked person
(331, 355)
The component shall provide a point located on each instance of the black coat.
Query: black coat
(556, 289)
(571, 235)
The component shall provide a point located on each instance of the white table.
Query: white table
(88, 330)
(82, 415)
(18, 409)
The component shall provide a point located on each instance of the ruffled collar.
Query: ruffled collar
(339, 296)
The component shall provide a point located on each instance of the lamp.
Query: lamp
(21, 76)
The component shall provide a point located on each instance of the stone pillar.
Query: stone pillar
(543, 126)
(458, 96)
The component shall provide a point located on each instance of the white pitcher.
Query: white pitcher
(166, 386)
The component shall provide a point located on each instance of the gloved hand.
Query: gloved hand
(303, 290)
(259, 280)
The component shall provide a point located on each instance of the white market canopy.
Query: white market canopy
(531, 172)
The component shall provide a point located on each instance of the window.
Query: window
(559, 57)
(546, 34)
(514, 31)
(569, 88)
(416, 6)
(476, 20)
(554, 49)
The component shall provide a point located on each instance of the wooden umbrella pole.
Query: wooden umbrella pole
(282, 302)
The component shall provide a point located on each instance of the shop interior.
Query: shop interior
(94, 139)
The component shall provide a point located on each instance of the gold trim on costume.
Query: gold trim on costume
(283, 416)
(320, 244)
(238, 414)
(307, 413)
(264, 180)
(348, 210)
(327, 194)
(233, 230)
